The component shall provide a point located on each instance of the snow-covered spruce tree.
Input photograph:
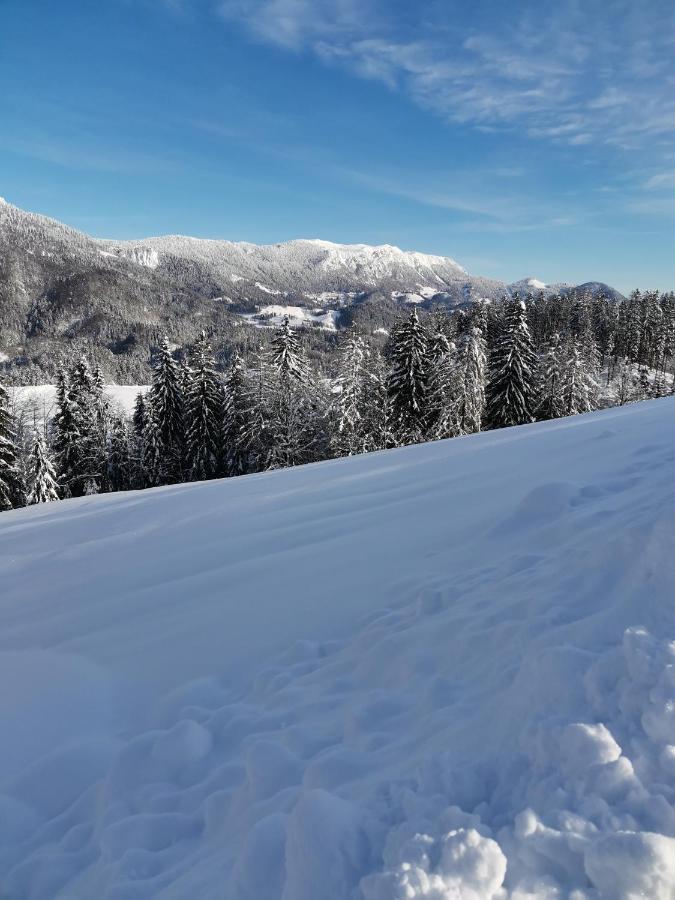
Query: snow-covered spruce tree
(439, 343)
(443, 391)
(408, 380)
(293, 408)
(139, 422)
(152, 469)
(578, 385)
(119, 456)
(139, 418)
(287, 357)
(236, 418)
(89, 407)
(204, 414)
(185, 378)
(166, 412)
(42, 485)
(551, 381)
(510, 393)
(349, 434)
(68, 446)
(471, 381)
(12, 491)
(377, 420)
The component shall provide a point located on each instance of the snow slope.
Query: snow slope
(440, 672)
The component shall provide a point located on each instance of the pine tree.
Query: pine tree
(408, 380)
(510, 391)
(236, 418)
(472, 366)
(287, 357)
(291, 407)
(551, 388)
(166, 412)
(443, 393)
(42, 485)
(204, 414)
(119, 456)
(11, 481)
(138, 425)
(68, 444)
(377, 417)
(139, 419)
(349, 435)
(577, 384)
(153, 459)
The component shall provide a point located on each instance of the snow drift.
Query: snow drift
(441, 672)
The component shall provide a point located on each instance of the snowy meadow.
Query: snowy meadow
(440, 671)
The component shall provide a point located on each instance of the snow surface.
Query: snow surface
(442, 672)
(298, 316)
(267, 290)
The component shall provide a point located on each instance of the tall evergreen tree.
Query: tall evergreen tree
(349, 433)
(377, 418)
(166, 410)
(236, 419)
(291, 408)
(287, 357)
(42, 485)
(69, 448)
(578, 385)
(510, 393)
(472, 369)
(119, 474)
(408, 379)
(443, 392)
(204, 414)
(551, 386)
(11, 481)
(139, 423)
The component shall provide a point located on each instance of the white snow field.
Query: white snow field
(442, 672)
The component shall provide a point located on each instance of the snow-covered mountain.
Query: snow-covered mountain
(59, 286)
(444, 671)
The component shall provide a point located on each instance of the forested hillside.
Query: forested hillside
(439, 375)
(63, 293)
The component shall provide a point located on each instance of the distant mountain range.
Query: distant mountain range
(61, 289)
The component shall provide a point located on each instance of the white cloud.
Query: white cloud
(585, 72)
(664, 180)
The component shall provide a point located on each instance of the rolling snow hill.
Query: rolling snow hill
(444, 671)
(60, 288)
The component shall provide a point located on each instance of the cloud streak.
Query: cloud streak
(587, 73)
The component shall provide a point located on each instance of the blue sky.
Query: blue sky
(521, 138)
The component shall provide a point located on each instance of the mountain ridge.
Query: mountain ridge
(61, 289)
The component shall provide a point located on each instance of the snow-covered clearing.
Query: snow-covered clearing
(298, 316)
(439, 672)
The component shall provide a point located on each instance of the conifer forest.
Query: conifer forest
(440, 375)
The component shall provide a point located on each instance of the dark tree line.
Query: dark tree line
(440, 376)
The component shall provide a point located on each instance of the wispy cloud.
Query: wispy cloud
(481, 205)
(588, 72)
(661, 181)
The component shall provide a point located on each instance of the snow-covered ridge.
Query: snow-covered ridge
(274, 687)
(302, 267)
(366, 261)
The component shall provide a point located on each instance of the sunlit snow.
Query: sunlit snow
(443, 671)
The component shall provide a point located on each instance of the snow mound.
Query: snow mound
(435, 673)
